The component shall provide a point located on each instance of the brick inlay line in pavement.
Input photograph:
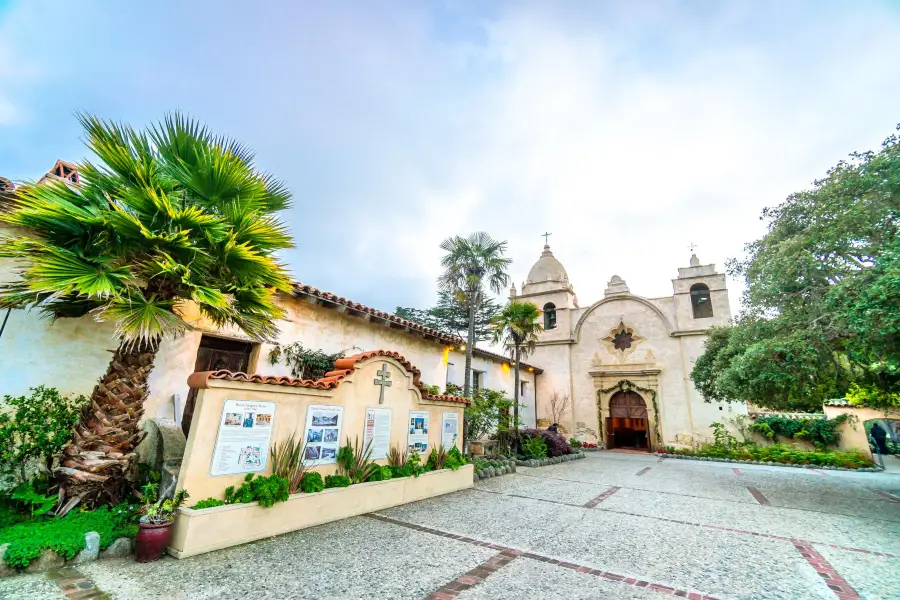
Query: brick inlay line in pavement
(594, 502)
(833, 580)
(642, 471)
(737, 472)
(887, 496)
(510, 553)
(474, 577)
(75, 585)
(758, 495)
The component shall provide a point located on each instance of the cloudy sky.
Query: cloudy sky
(628, 130)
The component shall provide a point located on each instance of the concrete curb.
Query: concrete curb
(550, 461)
(49, 560)
(769, 463)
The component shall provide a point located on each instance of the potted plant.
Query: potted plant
(158, 515)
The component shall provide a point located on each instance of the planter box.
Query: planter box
(208, 529)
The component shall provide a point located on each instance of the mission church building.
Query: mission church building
(625, 360)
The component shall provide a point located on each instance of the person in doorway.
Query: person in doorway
(880, 436)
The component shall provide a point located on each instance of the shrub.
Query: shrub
(265, 490)
(574, 443)
(354, 461)
(208, 503)
(37, 428)
(288, 461)
(312, 482)
(336, 481)
(819, 431)
(535, 447)
(557, 445)
(397, 457)
(437, 458)
(455, 458)
(779, 453)
(414, 464)
(65, 535)
(381, 474)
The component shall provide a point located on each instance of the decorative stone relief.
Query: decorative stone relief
(621, 341)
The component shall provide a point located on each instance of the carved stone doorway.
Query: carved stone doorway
(628, 424)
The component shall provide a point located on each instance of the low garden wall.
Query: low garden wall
(208, 529)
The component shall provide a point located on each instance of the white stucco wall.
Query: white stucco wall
(71, 354)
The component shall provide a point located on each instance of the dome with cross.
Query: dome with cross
(547, 268)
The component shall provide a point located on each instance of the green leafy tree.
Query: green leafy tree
(469, 265)
(451, 316)
(170, 215)
(820, 312)
(517, 327)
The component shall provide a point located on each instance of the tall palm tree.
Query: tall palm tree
(517, 328)
(171, 214)
(469, 264)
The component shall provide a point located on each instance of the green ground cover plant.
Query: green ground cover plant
(65, 535)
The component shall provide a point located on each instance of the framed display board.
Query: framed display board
(242, 443)
(323, 433)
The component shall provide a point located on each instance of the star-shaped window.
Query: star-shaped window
(622, 340)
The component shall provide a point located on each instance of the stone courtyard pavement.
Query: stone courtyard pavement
(610, 526)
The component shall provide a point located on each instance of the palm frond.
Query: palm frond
(142, 319)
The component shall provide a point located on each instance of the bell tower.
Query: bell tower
(701, 298)
(548, 287)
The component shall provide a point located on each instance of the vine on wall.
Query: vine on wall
(305, 363)
(629, 386)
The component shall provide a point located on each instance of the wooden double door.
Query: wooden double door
(628, 425)
(216, 354)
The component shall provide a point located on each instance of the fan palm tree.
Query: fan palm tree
(517, 327)
(469, 264)
(169, 215)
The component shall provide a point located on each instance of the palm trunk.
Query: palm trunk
(95, 464)
(470, 344)
(516, 395)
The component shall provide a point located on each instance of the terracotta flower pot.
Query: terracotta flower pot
(151, 541)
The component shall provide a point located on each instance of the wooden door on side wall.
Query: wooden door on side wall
(216, 354)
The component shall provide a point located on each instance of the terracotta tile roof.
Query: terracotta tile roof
(301, 289)
(364, 311)
(342, 369)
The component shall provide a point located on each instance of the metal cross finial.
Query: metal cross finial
(546, 236)
(384, 375)
(692, 246)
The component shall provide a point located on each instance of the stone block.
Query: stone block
(163, 449)
(5, 569)
(120, 547)
(91, 548)
(48, 560)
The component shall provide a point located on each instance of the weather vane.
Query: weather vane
(692, 246)
(546, 238)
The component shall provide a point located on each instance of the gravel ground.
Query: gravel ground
(29, 587)
(873, 534)
(355, 558)
(624, 534)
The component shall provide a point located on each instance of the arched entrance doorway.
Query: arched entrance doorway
(628, 425)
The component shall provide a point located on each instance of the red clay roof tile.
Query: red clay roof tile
(343, 368)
